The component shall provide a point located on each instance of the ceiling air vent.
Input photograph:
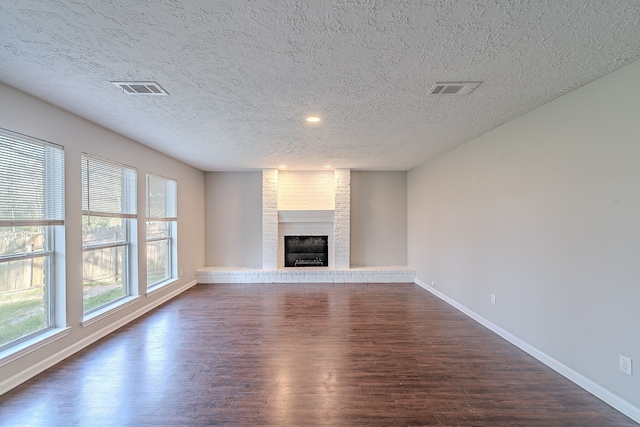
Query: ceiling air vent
(140, 88)
(453, 88)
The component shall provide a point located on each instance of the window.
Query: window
(31, 214)
(161, 230)
(108, 214)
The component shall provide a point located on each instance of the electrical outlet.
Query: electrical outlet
(493, 298)
(433, 284)
(181, 272)
(626, 365)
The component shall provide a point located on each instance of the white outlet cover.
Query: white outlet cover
(626, 365)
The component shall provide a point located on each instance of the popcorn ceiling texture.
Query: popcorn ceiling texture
(243, 74)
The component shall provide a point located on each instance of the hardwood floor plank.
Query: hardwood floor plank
(303, 354)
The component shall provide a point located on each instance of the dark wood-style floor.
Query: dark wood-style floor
(301, 354)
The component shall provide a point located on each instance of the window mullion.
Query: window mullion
(25, 255)
(158, 239)
(106, 245)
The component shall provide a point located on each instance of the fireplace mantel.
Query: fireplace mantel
(305, 216)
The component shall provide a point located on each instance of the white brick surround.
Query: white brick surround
(306, 203)
(309, 191)
(270, 219)
(393, 274)
(305, 229)
(306, 190)
(342, 218)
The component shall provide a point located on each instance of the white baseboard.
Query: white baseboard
(44, 364)
(597, 390)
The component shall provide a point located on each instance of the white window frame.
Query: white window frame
(167, 214)
(127, 212)
(50, 216)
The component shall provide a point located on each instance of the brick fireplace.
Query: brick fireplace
(306, 203)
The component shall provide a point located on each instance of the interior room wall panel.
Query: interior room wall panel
(22, 113)
(543, 212)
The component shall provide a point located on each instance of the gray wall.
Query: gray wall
(24, 114)
(378, 218)
(544, 212)
(233, 219)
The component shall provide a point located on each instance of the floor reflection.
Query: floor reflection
(302, 354)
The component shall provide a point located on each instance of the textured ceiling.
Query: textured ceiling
(243, 74)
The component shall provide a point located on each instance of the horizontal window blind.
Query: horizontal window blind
(161, 198)
(108, 189)
(31, 182)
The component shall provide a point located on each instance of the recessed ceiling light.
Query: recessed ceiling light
(313, 119)
(282, 166)
(327, 166)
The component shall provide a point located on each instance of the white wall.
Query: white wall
(378, 218)
(544, 212)
(22, 113)
(234, 219)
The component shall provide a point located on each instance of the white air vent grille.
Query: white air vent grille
(140, 88)
(453, 88)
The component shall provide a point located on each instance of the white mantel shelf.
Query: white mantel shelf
(305, 216)
(384, 274)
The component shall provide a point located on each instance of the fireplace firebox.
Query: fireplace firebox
(306, 251)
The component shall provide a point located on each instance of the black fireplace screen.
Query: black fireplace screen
(306, 251)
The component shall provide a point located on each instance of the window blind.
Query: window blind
(31, 182)
(108, 189)
(161, 198)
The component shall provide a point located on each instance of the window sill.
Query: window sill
(98, 315)
(159, 286)
(19, 350)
